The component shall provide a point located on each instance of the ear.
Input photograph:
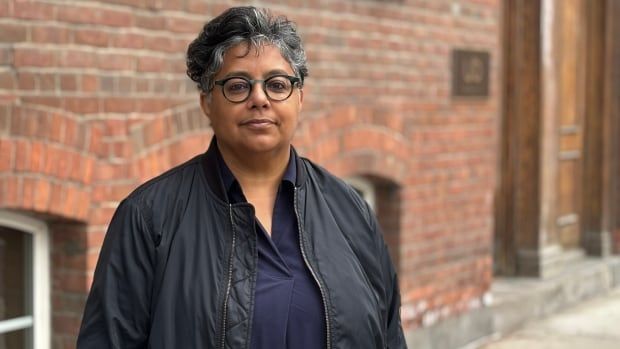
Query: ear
(301, 98)
(205, 104)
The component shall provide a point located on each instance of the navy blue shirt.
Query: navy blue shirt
(288, 309)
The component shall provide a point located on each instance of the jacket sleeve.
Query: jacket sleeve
(118, 307)
(395, 336)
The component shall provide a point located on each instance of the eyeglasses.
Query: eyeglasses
(237, 89)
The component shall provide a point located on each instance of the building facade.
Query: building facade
(512, 177)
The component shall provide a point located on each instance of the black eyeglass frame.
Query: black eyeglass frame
(295, 81)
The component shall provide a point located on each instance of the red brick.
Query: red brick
(43, 194)
(83, 205)
(26, 57)
(78, 59)
(56, 198)
(49, 34)
(91, 37)
(81, 140)
(8, 80)
(54, 102)
(12, 191)
(70, 135)
(11, 33)
(29, 124)
(160, 43)
(95, 238)
(155, 132)
(6, 56)
(5, 120)
(152, 21)
(112, 192)
(63, 167)
(71, 201)
(28, 192)
(68, 261)
(52, 156)
(92, 258)
(96, 141)
(121, 149)
(132, 3)
(33, 10)
(183, 25)
(198, 6)
(116, 18)
(37, 157)
(117, 62)
(119, 105)
(72, 282)
(26, 81)
(127, 40)
(22, 155)
(4, 9)
(68, 82)
(47, 82)
(88, 166)
(116, 128)
(173, 5)
(77, 14)
(57, 128)
(154, 106)
(7, 154)
(75, 171)
(81, 105)
(89, 83)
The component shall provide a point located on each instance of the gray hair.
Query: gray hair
(247, 24)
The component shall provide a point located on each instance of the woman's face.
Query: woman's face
(258, 124)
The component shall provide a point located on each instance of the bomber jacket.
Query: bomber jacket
(177, 268)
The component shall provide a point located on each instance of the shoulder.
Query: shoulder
(338, 194)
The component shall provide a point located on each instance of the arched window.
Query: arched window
(383, 196)
(24, 283)
(365, 188)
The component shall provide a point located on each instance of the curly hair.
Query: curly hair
(246, 24)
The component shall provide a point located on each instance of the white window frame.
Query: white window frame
(40, 319)
(366, 187)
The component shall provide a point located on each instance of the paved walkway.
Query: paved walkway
(593, 324)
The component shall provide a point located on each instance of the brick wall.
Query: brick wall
(94, 100)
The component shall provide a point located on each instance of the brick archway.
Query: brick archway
(357, 140)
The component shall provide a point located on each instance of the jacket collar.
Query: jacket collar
(211, 164)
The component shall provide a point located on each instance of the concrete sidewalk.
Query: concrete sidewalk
(593, 324)
(585, 293)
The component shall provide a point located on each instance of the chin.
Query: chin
(264, 145)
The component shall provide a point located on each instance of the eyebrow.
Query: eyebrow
(248, 76)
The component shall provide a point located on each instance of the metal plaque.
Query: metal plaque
(470, 73)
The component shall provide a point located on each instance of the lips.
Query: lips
(258, 123)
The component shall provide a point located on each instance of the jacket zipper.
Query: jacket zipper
(303, 253)
(229, 283)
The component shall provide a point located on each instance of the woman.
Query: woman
(248, 245)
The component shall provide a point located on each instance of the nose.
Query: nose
(258, 98)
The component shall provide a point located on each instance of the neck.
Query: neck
(263, 170)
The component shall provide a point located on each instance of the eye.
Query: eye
(236, 86)
(278, 84)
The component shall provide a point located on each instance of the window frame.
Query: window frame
(366, 187)
(41, 300)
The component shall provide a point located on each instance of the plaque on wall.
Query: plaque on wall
(470, 73)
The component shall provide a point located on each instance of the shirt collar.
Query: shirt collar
(228, 178)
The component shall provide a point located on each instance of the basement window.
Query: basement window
(24, 283)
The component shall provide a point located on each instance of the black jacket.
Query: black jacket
(178, 265)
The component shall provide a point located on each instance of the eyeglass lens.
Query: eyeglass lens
(277, 88)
